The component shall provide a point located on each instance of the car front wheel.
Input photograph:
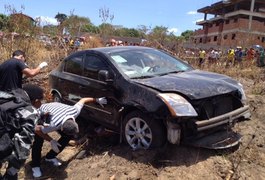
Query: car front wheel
(142, 132)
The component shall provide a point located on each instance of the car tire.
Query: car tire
(56, 97)
(143, 132)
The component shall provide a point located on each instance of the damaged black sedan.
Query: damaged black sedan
(152, 97)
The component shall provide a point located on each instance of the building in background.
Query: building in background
(231, 23)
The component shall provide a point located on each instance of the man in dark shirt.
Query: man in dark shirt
(12, 70)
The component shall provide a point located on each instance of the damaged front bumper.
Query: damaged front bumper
(223, 119)
(216, 140)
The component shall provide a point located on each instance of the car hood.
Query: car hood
(195, 84)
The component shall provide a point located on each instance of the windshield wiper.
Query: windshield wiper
(144, 77)
(171, 72)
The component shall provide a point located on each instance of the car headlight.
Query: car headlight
(177, 105)
(244, 98)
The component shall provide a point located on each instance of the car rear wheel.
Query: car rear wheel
(56, 97)
(142, 132)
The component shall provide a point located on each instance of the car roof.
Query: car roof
(112, 49)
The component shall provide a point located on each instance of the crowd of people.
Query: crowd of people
(113, 42)
(25, 121)
(227, 58)
(212, 56)
(74, 43)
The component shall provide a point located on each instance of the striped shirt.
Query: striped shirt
(58, 112)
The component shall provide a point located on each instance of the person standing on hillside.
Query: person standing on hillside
(260, 57)
(202, 55)
(12, 70)
(239, 56)
(230, 57)
(61, 118)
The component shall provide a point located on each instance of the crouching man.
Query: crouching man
(61, 118)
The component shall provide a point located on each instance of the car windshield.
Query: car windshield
(147, 63)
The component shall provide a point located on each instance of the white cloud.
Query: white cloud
(175, 31)
(192, 12)
(46, 20)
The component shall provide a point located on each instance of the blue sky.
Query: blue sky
(176, 15)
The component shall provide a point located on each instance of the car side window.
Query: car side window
(92, 65)
(74, 65)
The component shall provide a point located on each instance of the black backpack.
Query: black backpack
(10, 120)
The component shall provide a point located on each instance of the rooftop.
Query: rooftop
(217, 8)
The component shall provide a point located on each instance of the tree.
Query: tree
(21, 24)
(60, 17)
(187, 34)
(143, 30)
(50, 29)
(105, 28)
(126, 32)
(105, 15)
(159, 34)
(74, 24)
(90, 28)
(3, 21)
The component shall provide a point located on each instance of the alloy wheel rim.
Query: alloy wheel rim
(138, 134)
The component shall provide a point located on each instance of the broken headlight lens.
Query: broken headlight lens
(177, 105)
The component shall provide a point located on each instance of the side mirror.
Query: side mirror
(104, 75)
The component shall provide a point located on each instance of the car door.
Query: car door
(69, 79)
(91, 86)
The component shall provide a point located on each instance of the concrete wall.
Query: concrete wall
(238, 30)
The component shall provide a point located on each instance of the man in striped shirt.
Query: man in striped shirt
(61, 119)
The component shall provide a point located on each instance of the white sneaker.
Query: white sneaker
(54, 161)
(36, 172)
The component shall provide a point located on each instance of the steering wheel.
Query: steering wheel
(153, 68)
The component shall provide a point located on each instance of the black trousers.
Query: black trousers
(37, 147)
(14, 165)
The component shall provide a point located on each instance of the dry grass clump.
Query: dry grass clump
(248, 74)
(29, 45)
(4, 54)
(37, 52)
(258, 89)
(92, 42)
(253, 74)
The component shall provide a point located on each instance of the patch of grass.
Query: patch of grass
(258, 89)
